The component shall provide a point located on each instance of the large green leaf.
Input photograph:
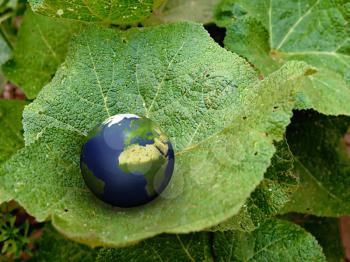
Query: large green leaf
(323, 164)
(207, 99)
(181, 248)
(11, 138)
(41, 47)
(275, 240)
(267, 200)
(201, 11)
(51, 246)
(108, 12)
(326, 231)
(269, 33)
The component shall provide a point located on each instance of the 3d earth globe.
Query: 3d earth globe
(127, 161)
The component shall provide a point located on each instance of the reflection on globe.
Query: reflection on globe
(127, 161)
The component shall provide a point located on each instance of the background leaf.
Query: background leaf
(269, 33)
(51, 246)
(182, 248)
(11, 138)
(40, 48)
(323, 164)
(267, 200)
(326, 231)
(201, 11)
(209, 101)
(5, 54)
(5, 51)
(275, 240)
(108, 12)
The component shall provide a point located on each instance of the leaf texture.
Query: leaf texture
(181, 248)
(326, 231)
(108, 12)
(271, 32)
(323, 164)
(221, 119)
(40, 48)
(201, 11)
(275, 240)
(279, 184)
(11, 138)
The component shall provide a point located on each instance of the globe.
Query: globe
(127, 160)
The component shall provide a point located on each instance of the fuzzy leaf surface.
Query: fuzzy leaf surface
(207, 99)
(323, 164)
(201, 11)
(267, 200)
(327, 232)
(270, 33)
(174, 248)
(41, 46)
(108, 12)
(11, 138)
(275, 240)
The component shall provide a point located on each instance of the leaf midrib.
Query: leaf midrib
(318, 183)
(265, 247)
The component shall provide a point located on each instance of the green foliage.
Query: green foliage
(270, 33)
(9, 12)
(322, 161)
(11, 138)
(9, 9)
(326, 231)
(14, 237)
(238, 165)
(275, 240)
(54, 247)
(267, 200)
(109, 12)
(183, 10)
(181, 248)
(40, 48)
(5, 50)
(86, 93)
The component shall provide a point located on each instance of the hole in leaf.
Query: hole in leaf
(217, 33)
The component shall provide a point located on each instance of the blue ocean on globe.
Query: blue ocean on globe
(127, 161)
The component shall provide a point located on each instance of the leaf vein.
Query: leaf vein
(98, 80)
(160, 84)
(185, 249)
(292, 28)
(318, 182)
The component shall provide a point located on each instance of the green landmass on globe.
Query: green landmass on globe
(149, 160)
(139, 128)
